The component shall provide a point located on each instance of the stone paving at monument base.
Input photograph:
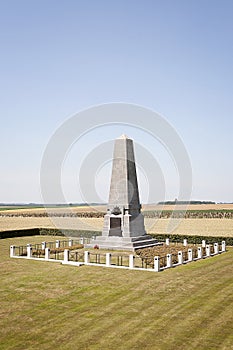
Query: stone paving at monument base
(123, 243)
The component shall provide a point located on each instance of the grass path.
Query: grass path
(51, 306)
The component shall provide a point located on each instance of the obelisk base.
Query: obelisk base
(123, 225)
(123, 243)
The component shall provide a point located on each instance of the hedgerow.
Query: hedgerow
(175, 238)
(49, 232)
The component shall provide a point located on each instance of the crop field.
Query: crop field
(220, 206)
(52, 306)
(91, 218)
(11, 223)
(102, 208)
(207, 227)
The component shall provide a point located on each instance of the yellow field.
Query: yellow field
(58, 210)
(14, 223)
(102, 208)
(189, 207)
(207, 227)
(198, 227)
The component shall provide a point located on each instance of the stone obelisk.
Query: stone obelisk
(124, 218)
(123, 223)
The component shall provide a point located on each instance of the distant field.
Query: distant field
(207, 227)
(24, 209)
(188, 226)
(51, 306)
(199, 227)
(13, 223)
(102, 208)
(189, 207)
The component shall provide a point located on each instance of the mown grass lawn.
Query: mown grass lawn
(52, 306)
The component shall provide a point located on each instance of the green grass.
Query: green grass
(17, 207)
(51, 306)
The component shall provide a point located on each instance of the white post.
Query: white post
(185, 242)
(203, 244)
(223, 246)
(216, 249)
(190, 254)
(86, 257)
(12, 251)
(180, 257)
(207, 249)
(167, 241)
(66, 255)
(81, 240)
(43, 245)
(131, 261)
(169, 260)
(108, 259)
(70, 242)
(57, 243)
(157, 263)
(47, 253)
(29, 251)
(199, 252)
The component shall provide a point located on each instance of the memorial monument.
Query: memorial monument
(124, 223)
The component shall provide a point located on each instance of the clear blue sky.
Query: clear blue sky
(59, 57)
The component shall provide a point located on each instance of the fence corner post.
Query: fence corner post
(12, 251)
(185, 243)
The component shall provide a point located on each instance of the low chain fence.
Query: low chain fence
(120, 260)
(97, 258)
(68, 252)
(143, 263)
(20, 250)
(38, 250)
(76, 256)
